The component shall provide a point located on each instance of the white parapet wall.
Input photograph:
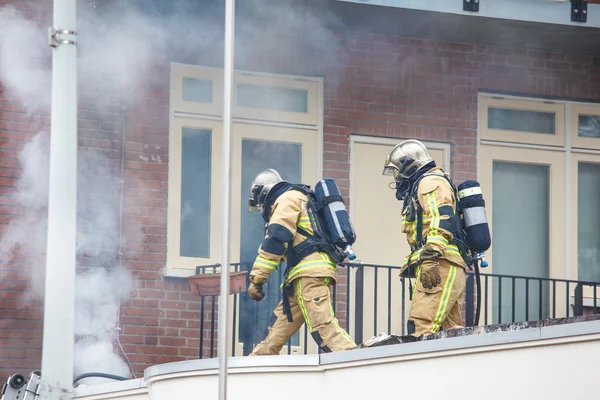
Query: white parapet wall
(133, 389)
(554, 362)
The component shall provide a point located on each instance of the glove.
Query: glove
(430, 269)
(255, 289)
(430, 274)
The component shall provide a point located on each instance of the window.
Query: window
(277, 124)
(585, 125)
(588, 218)
(277, 99)
(522, 121)
(529, 241)
(540, 172)
(195, 155)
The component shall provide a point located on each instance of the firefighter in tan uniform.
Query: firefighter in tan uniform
(435, 259)
(305, 290)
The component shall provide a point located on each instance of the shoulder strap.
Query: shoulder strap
(419, 210)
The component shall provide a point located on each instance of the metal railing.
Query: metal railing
(504, 299)
(376, 299)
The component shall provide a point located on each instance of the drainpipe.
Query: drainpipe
(59, 302)
(226, 169)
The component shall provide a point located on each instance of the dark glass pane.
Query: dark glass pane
(589, 126)
(258, 155)
(195, 192)
(521, 120)
(520, 237)
(270, 98)
(588, 221)
(197, 90)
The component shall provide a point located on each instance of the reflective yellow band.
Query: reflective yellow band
(263, 262)
(313, 264)
(437, 320)
(437, 239)
(435, 215)
(424, 219)
(302, 307)
(304, 223)
(335, 321)
(417, 276)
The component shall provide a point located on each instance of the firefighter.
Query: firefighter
(305, 291)
(429, 220)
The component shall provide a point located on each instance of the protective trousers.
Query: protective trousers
(438, 307)
(310, 303)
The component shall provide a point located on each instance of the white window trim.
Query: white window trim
(566, 148)
(169, 270)
(357, 138)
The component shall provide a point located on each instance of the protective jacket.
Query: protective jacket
(438, 209)
(287, 220)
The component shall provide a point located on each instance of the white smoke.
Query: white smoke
(102, 283)
(24, 65)
(119, 50)
(98, 295)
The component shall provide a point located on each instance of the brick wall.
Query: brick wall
(21, 316)
(374, 85)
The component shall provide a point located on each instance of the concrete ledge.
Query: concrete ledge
(576, 329)
(233, 363)
(475, 342)
(447, 344)
(109, 387)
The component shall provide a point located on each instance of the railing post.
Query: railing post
(359, 304)
(578, 306)
(470, 294)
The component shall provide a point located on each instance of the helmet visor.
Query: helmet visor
(390, 171)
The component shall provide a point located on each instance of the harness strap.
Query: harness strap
(328, 200)
(458, 241)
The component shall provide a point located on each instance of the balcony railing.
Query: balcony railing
(370, 299)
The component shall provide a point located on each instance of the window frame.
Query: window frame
(556, 139)
(571, 150)
(210, 115)
(176, 264)
(576, 158)
(283, 82)
(578, 142)
(181, 71)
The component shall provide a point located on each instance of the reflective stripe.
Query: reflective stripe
(474, 216)
(335, 321)
(435, 215)
(417, 276)
(444, 300)
(312, 264)
(304, 223)
(424, 218)
(437, 239)
(263, 262)
(469, 191)
(414, 228)
(302, 307)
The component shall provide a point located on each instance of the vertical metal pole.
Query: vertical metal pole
(227, 122)
(59, 302)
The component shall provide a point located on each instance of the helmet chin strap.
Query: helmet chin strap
(402, 188)
(403, 185)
